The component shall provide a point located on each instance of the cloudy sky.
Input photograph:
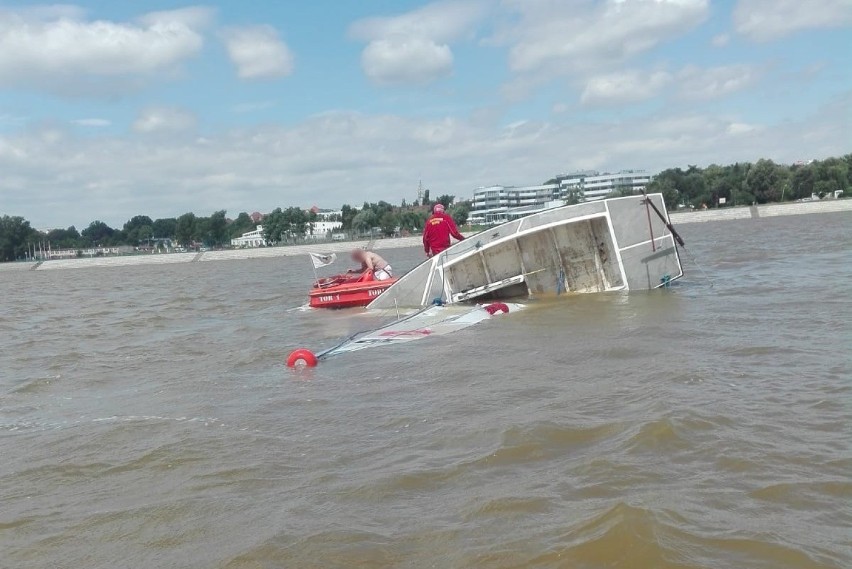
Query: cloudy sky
(110, 109)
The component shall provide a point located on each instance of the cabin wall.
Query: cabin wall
(588, 256)
(467, 274)
(503, 261)
(607, 255)
(574, 257)
(541, 261)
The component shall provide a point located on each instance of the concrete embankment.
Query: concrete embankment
(225, 255)
(680, 217)
(756, 212)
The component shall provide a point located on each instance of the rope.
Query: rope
(699, 267)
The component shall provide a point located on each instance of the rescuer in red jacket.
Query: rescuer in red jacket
(436, 234)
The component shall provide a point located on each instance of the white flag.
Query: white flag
(322, 260)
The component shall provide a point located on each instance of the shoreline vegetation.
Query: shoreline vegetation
(715, 187)
(677, 218)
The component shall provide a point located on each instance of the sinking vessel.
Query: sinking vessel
(617, 244)
(347, 290)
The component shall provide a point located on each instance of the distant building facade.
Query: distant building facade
(250, 239)
(496, 204)
(323, 229)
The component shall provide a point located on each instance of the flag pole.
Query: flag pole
(314, 267)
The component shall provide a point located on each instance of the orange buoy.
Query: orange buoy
(495, 306)
(302, 355)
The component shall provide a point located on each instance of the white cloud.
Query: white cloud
(93, 123)
(352, 157)
(195, 17)
(767, 20)
(689, 83)
(558, 36)
(164, 119)
(406, 60)
(413, 48)
(258, 52)
(624, 87)
(57, 49)
(740, 128)
(441, 21)
(714, 82)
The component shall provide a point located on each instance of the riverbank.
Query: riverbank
(677, 218)
(208, 256)
(758, 211)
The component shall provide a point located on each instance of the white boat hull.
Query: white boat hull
(608, 245)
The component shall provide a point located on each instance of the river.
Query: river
(147, 419)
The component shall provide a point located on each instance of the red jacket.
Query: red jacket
(436, 234)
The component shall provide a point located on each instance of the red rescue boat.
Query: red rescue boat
(347, 290)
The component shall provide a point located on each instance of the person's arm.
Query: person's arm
(426, 238)
(454, 230)
(367, 265)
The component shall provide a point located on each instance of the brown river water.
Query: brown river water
(147, 420)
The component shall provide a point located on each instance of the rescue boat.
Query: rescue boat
(347, 290)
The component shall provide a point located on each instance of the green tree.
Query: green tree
(347, 214)
(802, 182)
(15, 237)
(64, 238)
(825, 188)
(664, 184)
(765, 180)
(286, 225)
(459, 213)
(185, 228)
(412, 220)
(389, 222)
(242, 224)
(218, 227)
(139, 228)
(98, 233)
(364, 221)
(445, 199)
(164, 228)
(202, 231)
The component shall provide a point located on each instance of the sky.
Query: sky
(110, 109)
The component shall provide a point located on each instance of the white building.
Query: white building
(496, 204)
(591, 186)
(251, 239)
(322, 229)
(491, 203)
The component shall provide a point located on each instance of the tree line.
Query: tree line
(18, 238)
(745, 183)
(714, 186)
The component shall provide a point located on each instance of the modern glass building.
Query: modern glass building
(496, 204)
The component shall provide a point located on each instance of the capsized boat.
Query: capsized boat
(347, 290)
(617, 244)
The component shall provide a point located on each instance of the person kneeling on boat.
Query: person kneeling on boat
(372, 262)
